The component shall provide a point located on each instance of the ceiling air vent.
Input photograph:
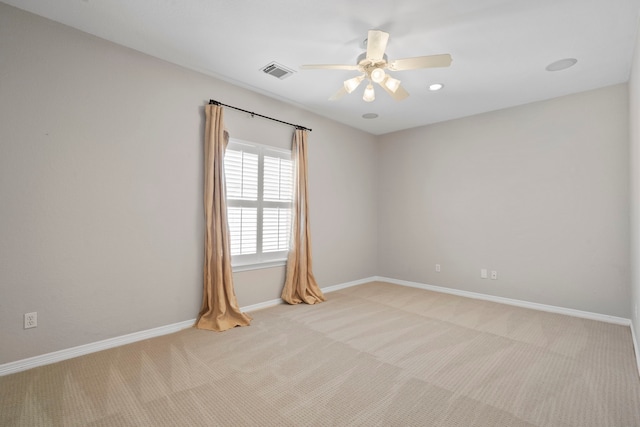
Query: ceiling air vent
(277, 70)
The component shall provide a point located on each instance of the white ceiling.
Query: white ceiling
(500, 48)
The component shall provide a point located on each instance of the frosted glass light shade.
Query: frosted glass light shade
(351, 84)
(378, 75)
(369, 94)
(392, 84)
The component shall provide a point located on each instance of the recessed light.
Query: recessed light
(562, 64)
(435, 86)
(370, 116)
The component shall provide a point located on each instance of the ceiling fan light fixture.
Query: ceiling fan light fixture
(391, 84)
(369, 94)
(373, 64)
(351, 84)
(378, 75)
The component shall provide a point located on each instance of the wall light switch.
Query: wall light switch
(483, 273)
(438, 268)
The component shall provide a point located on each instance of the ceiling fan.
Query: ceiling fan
(373, 63)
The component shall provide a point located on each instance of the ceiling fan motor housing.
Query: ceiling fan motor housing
(363, 61)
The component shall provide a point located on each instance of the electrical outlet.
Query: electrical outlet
(438, 268)
(30, 320)
(494, 275)
(483, 273)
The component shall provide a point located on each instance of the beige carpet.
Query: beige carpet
(375, 354)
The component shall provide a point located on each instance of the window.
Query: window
(259, 183)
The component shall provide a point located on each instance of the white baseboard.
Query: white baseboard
(278, 301)
(349, 284)
(81, 350)
(514, 302)
(69, 353)
(636, 349)
(262, 305)
(58, 356)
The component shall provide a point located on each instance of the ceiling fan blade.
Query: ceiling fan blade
(431, 61)
(339, 94)
(329, 67)
(376, 45)
(399, 94)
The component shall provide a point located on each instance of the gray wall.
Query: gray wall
(101, 218)
(634, 114)
(539, 193)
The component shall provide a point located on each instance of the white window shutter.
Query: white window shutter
(277, 179)
(241, 174)
(276, 223)
(259, 183)
(243, 229)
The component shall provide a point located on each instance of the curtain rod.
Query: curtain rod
(211, 101)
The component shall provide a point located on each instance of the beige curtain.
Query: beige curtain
(219, 310)
(300, 285)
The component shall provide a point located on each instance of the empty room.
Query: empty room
(320, 213)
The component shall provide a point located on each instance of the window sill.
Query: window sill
(259, 266)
